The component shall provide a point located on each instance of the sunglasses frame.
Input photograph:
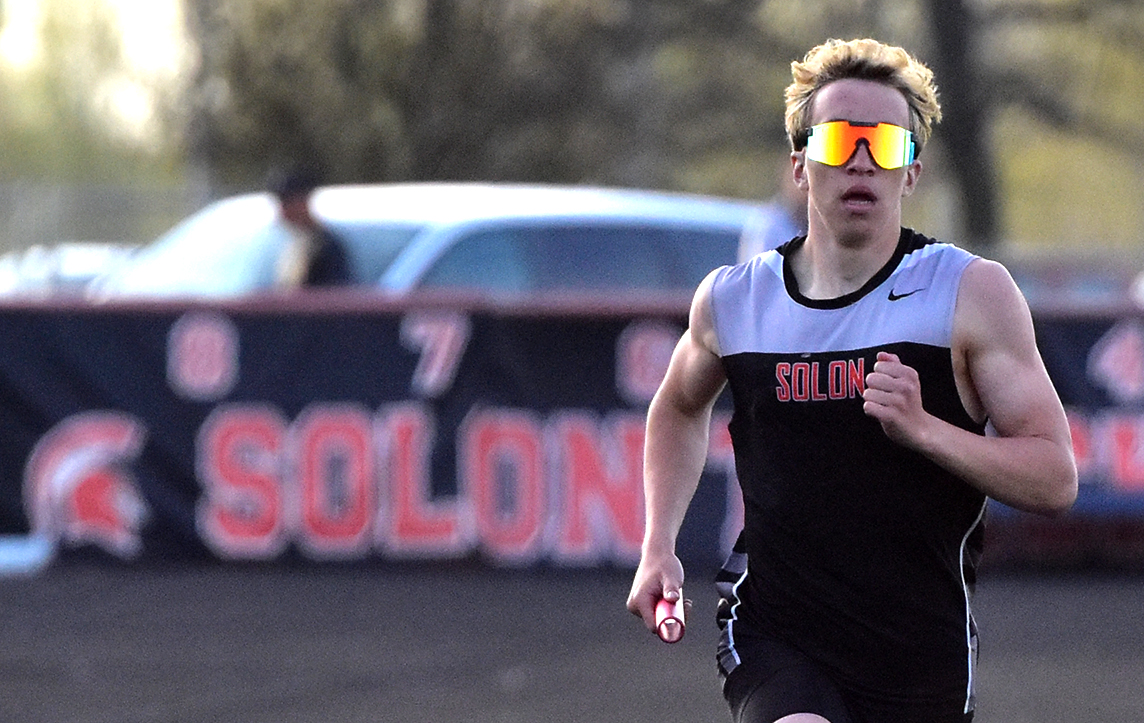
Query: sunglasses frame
(864, 132)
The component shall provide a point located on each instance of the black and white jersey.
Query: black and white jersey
(859, 552)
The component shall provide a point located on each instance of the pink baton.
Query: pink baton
(669, 620)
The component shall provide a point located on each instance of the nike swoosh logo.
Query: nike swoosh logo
(895, 297)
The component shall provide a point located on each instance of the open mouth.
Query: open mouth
(859, 197)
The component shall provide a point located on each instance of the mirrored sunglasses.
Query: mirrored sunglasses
(834, 143)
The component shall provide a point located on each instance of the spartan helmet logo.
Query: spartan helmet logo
(77, 484)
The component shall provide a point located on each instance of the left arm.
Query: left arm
(1029, 463)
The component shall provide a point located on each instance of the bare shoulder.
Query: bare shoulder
(695, 374)
(701, 320)
(989, 282)
(990, 307)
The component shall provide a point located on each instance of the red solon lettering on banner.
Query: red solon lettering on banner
(1127, 463)
(601, 475)
(241, 512)
(502, 463)
(418, 525)
(334, 470)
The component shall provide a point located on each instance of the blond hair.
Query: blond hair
(863, 59)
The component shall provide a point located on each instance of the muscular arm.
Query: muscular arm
(1028, 464)
(675, 451)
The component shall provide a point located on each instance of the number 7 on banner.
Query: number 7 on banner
(440, 339)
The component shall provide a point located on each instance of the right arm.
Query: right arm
(675, 452)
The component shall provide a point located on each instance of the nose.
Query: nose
(861, 160)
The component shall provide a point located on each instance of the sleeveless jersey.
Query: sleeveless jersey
(858, 551)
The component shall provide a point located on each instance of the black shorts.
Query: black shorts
(774, 680)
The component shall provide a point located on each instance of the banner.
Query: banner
(277, 432)
(283, 430)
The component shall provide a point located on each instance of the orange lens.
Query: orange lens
(834, 143)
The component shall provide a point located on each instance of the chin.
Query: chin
(855, 230)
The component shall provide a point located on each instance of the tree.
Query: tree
(289, 79)
(1064, 102)
(964, 125)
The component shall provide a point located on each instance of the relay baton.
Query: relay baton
(669, 620)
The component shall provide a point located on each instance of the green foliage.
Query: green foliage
(1068, 121)
(1081, 208)
(588, 91)
(286, 79)
(56, 123)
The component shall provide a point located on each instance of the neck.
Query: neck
(830, 265)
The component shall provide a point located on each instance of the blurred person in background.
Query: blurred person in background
(780, 219)
(885, 385)
(314, 255)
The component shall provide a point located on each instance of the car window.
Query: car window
(232, 248)
(372, 247)
(491, 261)
(583, 257)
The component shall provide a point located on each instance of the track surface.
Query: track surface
(98, 644)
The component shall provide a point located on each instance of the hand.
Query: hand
(893, 396)
(656, 577)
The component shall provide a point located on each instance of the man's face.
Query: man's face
(858, 197)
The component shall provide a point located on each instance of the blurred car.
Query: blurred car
(66, 268)
(496, 239)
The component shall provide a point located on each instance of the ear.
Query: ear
(798, 168)
(913, 172)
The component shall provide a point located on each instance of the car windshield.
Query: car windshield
(373, 245)
(583, 257)
(231, 248)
